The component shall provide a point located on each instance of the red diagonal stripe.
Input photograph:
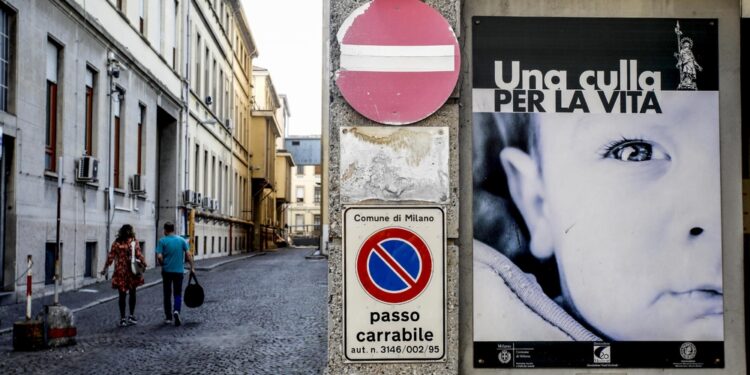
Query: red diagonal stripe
(394, 265)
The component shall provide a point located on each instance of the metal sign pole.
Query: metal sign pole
(58, 279)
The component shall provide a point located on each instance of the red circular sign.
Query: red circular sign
(394, 265)
(399, 61)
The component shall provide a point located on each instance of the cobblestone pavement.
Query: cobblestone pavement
(262, 315)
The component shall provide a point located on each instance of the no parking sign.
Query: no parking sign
(394, 284)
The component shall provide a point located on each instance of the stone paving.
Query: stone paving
(262, 315)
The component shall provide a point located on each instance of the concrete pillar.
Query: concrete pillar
(341, 114)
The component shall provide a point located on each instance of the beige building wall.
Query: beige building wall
(268, 118)
(221, 51)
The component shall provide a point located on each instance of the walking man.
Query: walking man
(170, 253)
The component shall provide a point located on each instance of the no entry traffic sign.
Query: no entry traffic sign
(394, 265)
(394, 283)
(399, 61)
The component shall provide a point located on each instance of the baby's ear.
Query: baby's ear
(527, 189)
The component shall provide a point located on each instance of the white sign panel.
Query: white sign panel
(394, 284)
(394, 164)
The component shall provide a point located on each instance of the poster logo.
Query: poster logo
(602, 353)
(688, 350)
(394, 265)
(504, 357)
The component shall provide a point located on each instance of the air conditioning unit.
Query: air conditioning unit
(207, 203)
(88, 169)
(137, 184)
(188, 197)
(212, 205)
(217, 205)
(228, 124)
(197, 199)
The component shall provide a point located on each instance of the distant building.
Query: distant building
(269, 183)
(303, 215)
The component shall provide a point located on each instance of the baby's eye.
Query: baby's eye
(634, 151)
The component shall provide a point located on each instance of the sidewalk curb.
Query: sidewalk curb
(211, 267)
(145, 286)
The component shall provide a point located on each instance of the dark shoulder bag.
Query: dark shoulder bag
(193, 295)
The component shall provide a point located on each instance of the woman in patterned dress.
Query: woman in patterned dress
(123, 278)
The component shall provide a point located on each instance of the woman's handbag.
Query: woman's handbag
(136, 266)
(193, 295)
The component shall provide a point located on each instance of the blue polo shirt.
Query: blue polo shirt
(173, 248)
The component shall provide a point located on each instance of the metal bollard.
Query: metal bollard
(28, 334)
(29, 263)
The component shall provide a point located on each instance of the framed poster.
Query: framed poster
(596, 193)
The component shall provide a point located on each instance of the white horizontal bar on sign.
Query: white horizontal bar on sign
(366, 58)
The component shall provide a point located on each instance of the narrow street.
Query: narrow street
(262, 315)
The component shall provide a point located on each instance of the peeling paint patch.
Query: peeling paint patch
(394, 164)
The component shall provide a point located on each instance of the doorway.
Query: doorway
(7, 237)
(167, 154)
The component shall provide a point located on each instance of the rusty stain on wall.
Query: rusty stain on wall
(404, 163)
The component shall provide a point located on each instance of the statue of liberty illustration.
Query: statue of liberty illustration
(686, 61)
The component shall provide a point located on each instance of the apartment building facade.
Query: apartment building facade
(136, 108)
(96, 110)
(218, 178)
(268, 119)
(303, 215)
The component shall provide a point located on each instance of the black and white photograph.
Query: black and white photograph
(596, 193)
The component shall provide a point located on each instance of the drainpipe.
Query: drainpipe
(110, 170)
(185, 107)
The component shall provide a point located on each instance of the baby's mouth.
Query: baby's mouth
(706, 301)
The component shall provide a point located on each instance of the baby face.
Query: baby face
(632, 210)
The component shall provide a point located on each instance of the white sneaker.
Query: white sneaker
(176, 316)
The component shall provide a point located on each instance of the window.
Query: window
(218, 100)
(49, 262)
(196, 179)
(90, 266)
(142, 16)
(208, 73)
(50, 151)
(117, 108)
(219, 184)
(141, 129)
(318, 169)
(212, 244)
(213, 82)
(316, 222)
(213, 176)
(197, 63)
(175, 35)
(225, 203)
(316, 197)
(300, 194)
(295, 143)
(225, 245)
(89, 112)
(205, 173)
(119, 5)
(300, 170)
(195, 249)
(6, 24)
(205, 243)
(226, 106)
(299, 223)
